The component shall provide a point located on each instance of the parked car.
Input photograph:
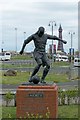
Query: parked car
(62, 58)
(76, 62)
(5, 56)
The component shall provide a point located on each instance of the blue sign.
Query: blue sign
(71, 51)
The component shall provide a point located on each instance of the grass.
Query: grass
(28, 57)
(68, 111)
(9, 66)
(8, 112)
(0, 77)
(65, 111)
(0, 112)
(24, 76)
(20, 78)
(24, 65)
(21, 57)
(61, 63)
(56, 78)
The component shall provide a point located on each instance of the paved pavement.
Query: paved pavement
(57, 69)
(66, 85)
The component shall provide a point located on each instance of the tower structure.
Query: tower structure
(60, 44)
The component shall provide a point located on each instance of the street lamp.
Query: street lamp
(16, 38)
(52, 23)
(24, 35)
(71, 33)
(2, 46)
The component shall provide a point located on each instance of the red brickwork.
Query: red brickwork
(36, 100)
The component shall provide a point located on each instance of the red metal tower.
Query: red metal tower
(60, 44)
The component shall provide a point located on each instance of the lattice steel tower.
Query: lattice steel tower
(60, 44)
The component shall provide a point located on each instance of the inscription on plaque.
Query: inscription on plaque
(35, 95)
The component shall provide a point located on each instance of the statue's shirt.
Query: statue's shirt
(39, 42)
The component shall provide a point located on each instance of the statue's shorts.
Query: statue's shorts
(41, 58)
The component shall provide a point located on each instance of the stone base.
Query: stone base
(41, 99)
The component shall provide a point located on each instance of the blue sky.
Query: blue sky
(28, 16)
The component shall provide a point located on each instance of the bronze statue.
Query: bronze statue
(40, 40)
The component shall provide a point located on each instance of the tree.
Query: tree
(8, 97)
(77, 53)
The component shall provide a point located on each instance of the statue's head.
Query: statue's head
(41, 31)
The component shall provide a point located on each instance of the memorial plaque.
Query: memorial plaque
(37, 99)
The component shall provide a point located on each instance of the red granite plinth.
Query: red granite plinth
(37, 99)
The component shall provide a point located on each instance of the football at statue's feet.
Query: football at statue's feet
(35, 79)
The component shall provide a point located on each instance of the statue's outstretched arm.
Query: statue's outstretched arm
(56, 38)
(29, 39)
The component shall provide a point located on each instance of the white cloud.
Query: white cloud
(28, 16)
